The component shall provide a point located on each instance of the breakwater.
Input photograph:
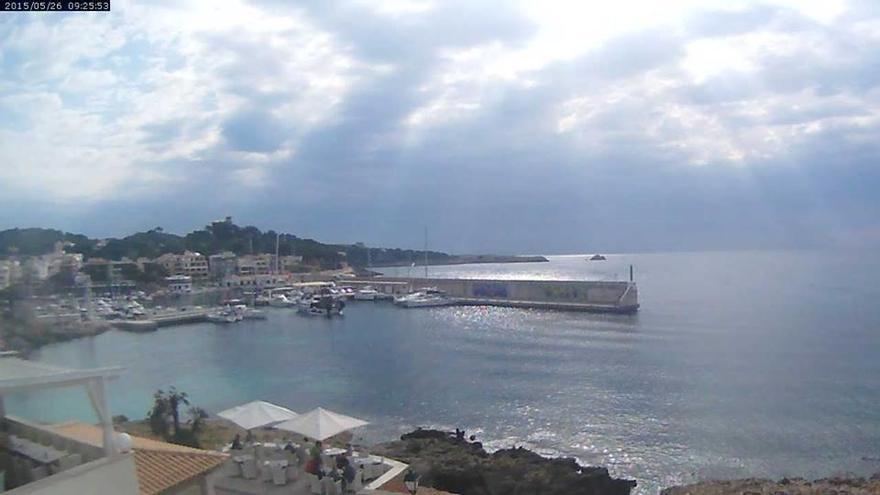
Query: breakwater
(577, 295)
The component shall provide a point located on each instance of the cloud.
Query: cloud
(505, 126)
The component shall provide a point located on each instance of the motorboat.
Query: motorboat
(345, 292)
(424, 298)
(250, 313)
(221, 317)
(367, 294)
(282, 301)
(321, 305)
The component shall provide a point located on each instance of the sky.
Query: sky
(545, 126)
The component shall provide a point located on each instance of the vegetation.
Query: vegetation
(164, 418)
(212, 239)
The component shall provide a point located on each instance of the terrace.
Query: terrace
(34, 459)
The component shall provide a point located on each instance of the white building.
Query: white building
(10, 271)
(179, 284)
(190, 263)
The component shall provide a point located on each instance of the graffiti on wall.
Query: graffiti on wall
(561, 293)
(491, 290)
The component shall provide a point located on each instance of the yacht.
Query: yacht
(281, 301)
(321, 304)
(221, 317)
(367, 294)
(424, 298)
(250, 313)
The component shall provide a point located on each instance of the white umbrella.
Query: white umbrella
(320, 424)
(256, 414)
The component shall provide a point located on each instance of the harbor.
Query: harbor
(566, 295)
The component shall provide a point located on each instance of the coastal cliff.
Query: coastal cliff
(456, 465)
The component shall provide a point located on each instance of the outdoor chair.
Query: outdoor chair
(279, 475)
(332, 487)
(314, 484)
(249, 469)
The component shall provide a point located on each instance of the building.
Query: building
(37, 461)
(256, 264)
(83, 459)
(10, 272)
(161, 467)
(290, 263)
(189, 263)
(179, 284)
(222, 265)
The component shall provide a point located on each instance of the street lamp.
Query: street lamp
(411, 481)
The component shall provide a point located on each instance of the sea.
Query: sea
(738, 364)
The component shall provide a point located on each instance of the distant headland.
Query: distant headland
(224, 236)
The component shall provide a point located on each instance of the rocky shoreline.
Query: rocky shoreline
(453, 464)
(842, 485)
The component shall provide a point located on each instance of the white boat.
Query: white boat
(425, 298)
(321, 305)
(250, 313)
(281, 301)
(221, 317)
(367, 294)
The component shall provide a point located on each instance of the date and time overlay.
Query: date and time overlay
(54, 5)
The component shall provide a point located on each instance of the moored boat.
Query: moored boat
(424, 298)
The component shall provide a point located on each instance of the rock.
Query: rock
(458, 466)
(837, 485)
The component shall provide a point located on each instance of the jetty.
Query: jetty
(571, 295)
(162, 319)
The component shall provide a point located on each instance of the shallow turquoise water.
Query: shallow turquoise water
(747, 363)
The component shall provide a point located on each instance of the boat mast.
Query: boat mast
(426, 252)
(277, 238)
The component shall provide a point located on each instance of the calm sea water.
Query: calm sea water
(738, 364)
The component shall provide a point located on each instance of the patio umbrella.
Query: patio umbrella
(320, 424)
(256, 414)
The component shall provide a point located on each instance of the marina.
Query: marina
(627, 391)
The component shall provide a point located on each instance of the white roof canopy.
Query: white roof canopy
(320, 424)
(17, 374)
(256, 414)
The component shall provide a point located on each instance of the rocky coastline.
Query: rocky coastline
(837, 485)
(451, 463)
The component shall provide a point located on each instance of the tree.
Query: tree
(158, 415)
(197, 417)
(175, 400)
(165, 416)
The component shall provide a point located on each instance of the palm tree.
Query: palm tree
(175, 399)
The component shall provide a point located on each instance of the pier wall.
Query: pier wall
(611, 296)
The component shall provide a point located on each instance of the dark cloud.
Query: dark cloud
(255, 130)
